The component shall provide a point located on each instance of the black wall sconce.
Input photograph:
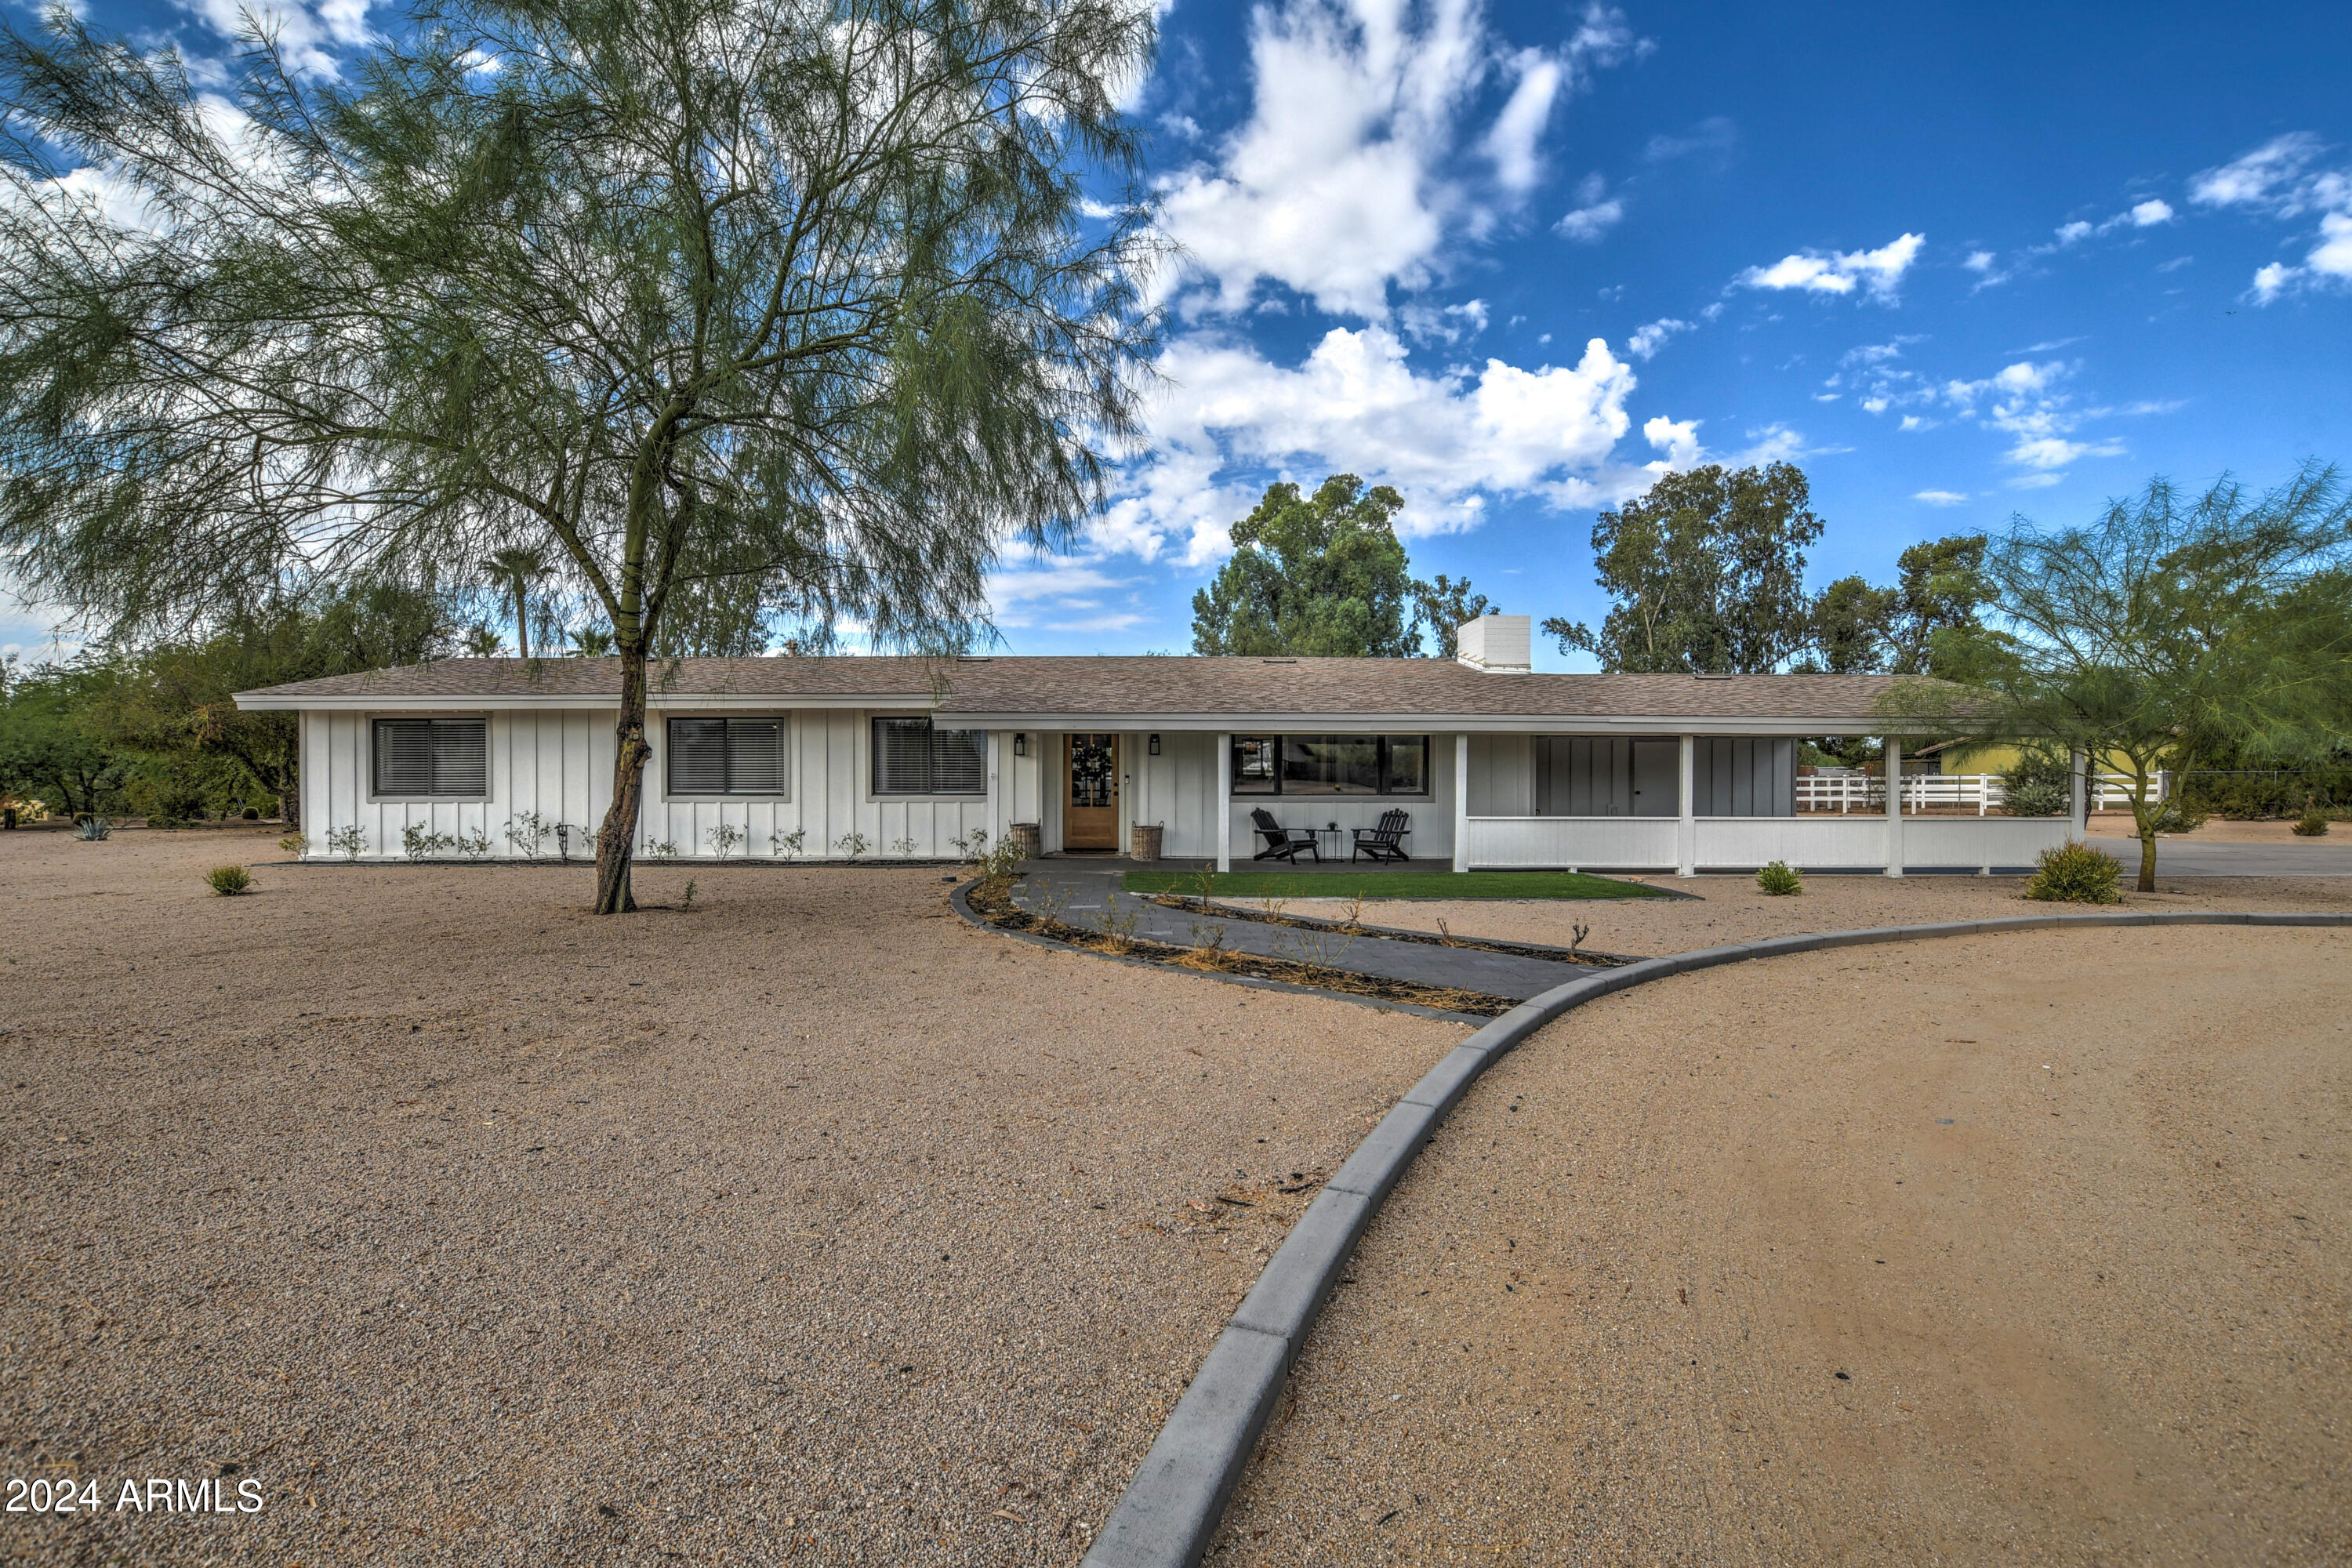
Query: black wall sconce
(1155, 746)
(1020, 743)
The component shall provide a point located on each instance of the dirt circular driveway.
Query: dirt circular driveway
(2028, 1248)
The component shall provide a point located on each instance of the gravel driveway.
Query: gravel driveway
(2026, 1247)
(811, 1225)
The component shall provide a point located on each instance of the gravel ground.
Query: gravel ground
(2023, 1247)
(1732, 908)
(810, 1225)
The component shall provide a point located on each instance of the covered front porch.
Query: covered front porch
(1681, 805)
(1483, 800)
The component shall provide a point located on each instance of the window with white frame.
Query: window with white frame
(424, 758)
(915, 757)
(727, 756)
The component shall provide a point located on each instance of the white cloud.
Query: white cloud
(1228, 415)
(1449, 324)
(2054, 452)
(1518, 131)
(1941, 498)
(1348, 176)
(1978, 261)
(308, 37)
(1587, 225)
(1677, 438)
(2278, 180)
(2150, 213)
(2069, 232)
(1841, 272)
(1647, 340)
(2036, 481)
(2271, 175)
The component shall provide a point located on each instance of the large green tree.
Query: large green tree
(709, 300)
(1927, 624)
(2168, 630)
(53, 748)
(1322, 575)
(1707, 575)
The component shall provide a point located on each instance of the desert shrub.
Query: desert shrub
(351, 842)
(2039, 783)
(296, 844)
(419, 842)
(2179, 817)
(2074, 873)
(853, 844)
(661, 850)
(250, 814)
(1779, 880)
(474, 845)
(229, 880)
(528, 832)
(788, 845)
(92, 829)
(724, 837)
(2312, 824)
(2266, 796)
(903, 848)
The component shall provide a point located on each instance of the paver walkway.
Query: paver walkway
(1091, 892)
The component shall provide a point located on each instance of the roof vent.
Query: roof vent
(973, 659)
(1277, 661)
(1498, 645)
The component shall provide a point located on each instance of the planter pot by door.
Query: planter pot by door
(1090, 817)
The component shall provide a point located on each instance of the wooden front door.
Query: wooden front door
(1092, 805)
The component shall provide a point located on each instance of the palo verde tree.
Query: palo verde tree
(2168, 630)
(712, 301)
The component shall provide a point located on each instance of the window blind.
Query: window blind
(913, 757)
(416, 757)
(727, 756)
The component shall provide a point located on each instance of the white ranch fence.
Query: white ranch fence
(1847, 791)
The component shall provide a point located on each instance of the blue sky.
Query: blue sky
(1957, 260)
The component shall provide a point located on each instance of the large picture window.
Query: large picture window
(914, 756)
(1330, 764)
(727, 756)
(417, 758)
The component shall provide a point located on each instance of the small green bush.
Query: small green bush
(229, 880)
(2074, 873)
(296, 844)
(2312, 824)
(1779, 880)
(91, 829)
(2040, 782)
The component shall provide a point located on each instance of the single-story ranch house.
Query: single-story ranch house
(1496, 767)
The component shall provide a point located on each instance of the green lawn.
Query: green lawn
(1389, 885)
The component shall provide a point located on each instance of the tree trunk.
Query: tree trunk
(2144, 818)
(617, 840)
(289, 796)
(523, 620)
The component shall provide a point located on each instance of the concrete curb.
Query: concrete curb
(1172, 1508)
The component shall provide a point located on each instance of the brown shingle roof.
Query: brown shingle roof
(1171, 688)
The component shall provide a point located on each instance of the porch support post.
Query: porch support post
(1686, 798)
(1461, 801)
(2078, 792)
(1894, 807)
(1225, 802)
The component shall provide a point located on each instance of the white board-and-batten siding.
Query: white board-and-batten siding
(558, 763)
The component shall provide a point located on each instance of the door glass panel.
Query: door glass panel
(1090, 772)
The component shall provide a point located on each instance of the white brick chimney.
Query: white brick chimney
(1499, 644)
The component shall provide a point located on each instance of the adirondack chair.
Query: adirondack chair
(1385, 842)
(1283, 843)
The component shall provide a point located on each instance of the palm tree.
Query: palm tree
(515, 570)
